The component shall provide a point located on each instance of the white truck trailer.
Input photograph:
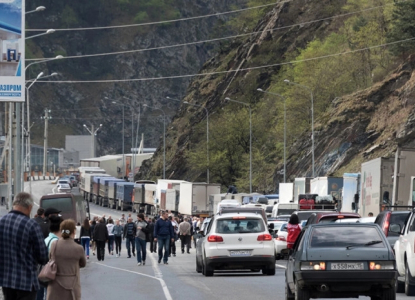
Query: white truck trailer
(376, 184)
(287, 193)
(350, 192)
(301, 186)
(404, 173)
(194, 198)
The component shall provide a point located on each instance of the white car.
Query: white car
(280, 241)
(236, 241)
(64, 188)
(405, 255)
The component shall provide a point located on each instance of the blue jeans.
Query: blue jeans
(85, 243)
(164, 241)
(140, 246)
(128, 241)
(111, 240)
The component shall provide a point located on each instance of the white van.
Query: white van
(227, 203)
(284, 209)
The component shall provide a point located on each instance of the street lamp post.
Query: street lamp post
(285, 129)
(39, 8)
(250, 139)
(49, 31)
(312, 119)
(207, 133)
(93, 134)
(164, 137)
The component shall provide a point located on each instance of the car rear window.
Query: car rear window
(322, 237)
(62, 204)
(248, 225)
(397, 218)
(333, 219)
(269, 209)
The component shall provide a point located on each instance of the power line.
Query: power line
(165, 21)
(232, 71)
(218, 39)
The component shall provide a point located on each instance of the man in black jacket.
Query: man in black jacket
(153, 247)
(100, 238)
(40, 219)
(163, 234)
(130, 230)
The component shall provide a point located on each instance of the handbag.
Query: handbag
(48, 272)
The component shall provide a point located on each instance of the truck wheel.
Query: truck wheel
(388, 294)
(301, 294)
(409, 288)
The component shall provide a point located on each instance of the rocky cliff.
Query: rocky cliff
(349, 130)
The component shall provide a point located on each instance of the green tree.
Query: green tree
(403, 27)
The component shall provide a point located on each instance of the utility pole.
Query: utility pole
(46, 117)
(16, 152)
(9, 159)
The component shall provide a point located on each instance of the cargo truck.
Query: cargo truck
(376, 185)
(194, 198)
(350, 192)
(124, 195)
(96, 183)
(104, 190)
(301, 186)
(144, 198)
(286, 193)
(112, 193)
(404, 172)
(87, 181)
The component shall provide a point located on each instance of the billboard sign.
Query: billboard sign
(12, 50)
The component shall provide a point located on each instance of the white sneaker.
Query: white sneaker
(116, 255)
(138, 264)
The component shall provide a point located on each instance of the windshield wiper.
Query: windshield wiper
(373, 243)
(367, 244)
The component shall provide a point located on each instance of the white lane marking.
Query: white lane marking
(159, 276)
(163, 284)
(281, 266)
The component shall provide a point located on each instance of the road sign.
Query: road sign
(12, 50)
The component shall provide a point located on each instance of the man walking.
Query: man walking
(22, 249)
(151, 235)
(141, 239)
(184, 231)
(130, 231)
(40, 219)
(163, 234)
(100, 238)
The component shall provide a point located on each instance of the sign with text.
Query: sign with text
(12, 51)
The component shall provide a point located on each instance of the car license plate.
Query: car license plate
(240, 253)
(347, 266)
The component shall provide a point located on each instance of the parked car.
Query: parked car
(341, 261)
(65, 181)
(236, 240)
(73, 180)
(386, 219)
(330, 217)
(405, 254)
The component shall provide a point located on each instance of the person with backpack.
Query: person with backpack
(130, 231)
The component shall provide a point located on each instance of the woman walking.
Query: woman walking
(118, 231)
(93, 243)
(86, 235)
(69, 258)
(110, 227)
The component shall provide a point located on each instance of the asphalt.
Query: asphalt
(116, 278)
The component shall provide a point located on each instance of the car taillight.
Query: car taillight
(214, 238)
(381, 265)
(264, 237)
(281, 238)
(386, 224)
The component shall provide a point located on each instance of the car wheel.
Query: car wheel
(388, 294)
(288, 294)
(208, 272)
(409, 288)
(198, 266)
(301, 294)
(400, 286)
(271, 271)
(278, 256)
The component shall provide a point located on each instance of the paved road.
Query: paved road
(121, 278)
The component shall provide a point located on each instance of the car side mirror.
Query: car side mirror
(271, 226)
(197, 228)
(201, 233)
(395, 228)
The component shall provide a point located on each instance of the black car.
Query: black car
(341, 261)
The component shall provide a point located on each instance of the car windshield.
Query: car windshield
(248, 225)
(333, 219)
(399, 219)
(283, 227)
(62, 204)
(269, 209)
(277, 225)
(345, 236)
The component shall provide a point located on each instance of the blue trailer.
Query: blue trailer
(104, 190)
(96, 181)
(124, 195)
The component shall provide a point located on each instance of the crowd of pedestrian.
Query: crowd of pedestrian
(28, 244)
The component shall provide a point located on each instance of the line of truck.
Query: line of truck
(383, 183)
